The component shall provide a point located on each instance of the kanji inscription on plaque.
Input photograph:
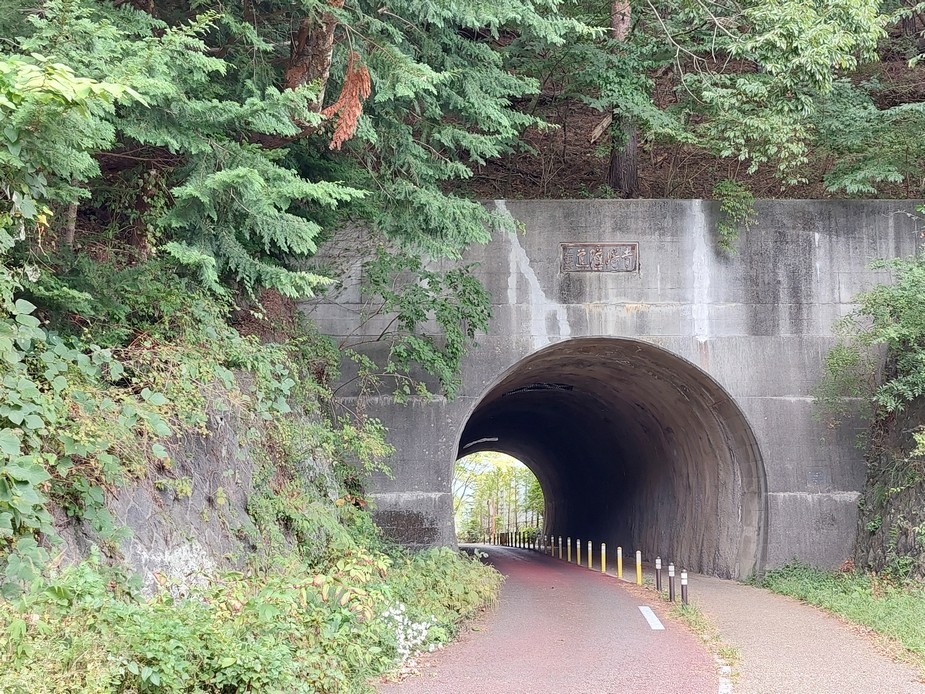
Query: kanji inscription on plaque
(600, 257)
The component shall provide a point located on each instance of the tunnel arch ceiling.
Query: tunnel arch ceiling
(635, 445)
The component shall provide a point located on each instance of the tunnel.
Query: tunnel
(635, 446)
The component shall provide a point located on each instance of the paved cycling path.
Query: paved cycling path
(561, 629)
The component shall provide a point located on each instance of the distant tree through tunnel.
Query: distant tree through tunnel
(632, 445)
(495, 493)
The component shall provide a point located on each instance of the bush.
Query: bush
(287, 629)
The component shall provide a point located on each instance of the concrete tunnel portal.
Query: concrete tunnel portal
(634, 446)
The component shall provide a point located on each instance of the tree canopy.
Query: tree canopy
(232, 141)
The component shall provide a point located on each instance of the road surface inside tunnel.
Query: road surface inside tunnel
(560, 628)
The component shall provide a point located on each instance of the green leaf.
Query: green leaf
(23, 307)
(33, 474)
(9, 442)
(159, 451)
(33, 421)
(6, 525)
(16, 416)
(157, 399)
(116, 370)
(28, 321)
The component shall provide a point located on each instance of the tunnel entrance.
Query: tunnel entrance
(632, 445)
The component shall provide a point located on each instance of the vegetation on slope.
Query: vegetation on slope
(319, 604)
(291, 626)
(890, 319)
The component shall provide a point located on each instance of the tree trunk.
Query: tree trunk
(623, 174)
(312, 46)
(70, 226)
(310, 53)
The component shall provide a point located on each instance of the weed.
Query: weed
(286, 629)
(737, 211)
(727, 655)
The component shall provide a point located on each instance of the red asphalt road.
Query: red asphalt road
(560, 629)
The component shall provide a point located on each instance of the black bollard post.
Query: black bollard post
(670, 582)
(658, 574)
(684, 587)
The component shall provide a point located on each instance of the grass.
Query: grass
(896, 611)
(703, 627)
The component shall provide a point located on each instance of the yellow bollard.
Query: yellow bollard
(590, 555)
(603, 558)
(569, 546)
(560, 546)
(578, 552)
(619, 562)
(638, 568)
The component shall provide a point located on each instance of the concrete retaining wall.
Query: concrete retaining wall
(757, 322)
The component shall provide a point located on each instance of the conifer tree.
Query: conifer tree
(257, 123)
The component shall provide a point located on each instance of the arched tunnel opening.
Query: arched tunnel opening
(632, 445)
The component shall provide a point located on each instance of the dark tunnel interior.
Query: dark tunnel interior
(635, 446)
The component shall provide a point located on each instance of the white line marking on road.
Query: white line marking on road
(651, 618)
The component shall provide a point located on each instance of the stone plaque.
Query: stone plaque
(600, 257)
(818, 477)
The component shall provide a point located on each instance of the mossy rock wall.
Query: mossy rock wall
(891, 518)
(185, 521)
